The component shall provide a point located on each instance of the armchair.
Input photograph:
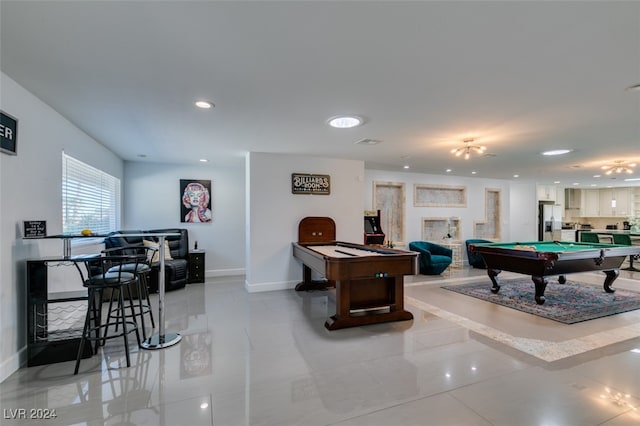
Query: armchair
(475, 259)
(433, 259)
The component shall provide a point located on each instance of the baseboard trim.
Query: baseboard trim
(12, 364)
(224, 272)
(269, 286)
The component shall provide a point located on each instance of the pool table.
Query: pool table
(541, 259)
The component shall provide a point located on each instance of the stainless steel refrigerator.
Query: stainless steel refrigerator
(550, 222)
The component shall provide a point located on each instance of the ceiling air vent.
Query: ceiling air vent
(367, 141)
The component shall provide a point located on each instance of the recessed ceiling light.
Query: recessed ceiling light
(345, 121)
(632, 179)
(204, 160)
(474, 172)
(556, 152)
(556, 182)
(516, 176)
(597, 176)
(448, 170)
(406, 167)
(204, 104)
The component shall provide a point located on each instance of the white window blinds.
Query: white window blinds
(90, 198)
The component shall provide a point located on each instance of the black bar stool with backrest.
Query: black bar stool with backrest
(101, 274)
(142, 268)
(625, 240)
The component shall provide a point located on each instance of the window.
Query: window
(90, 198)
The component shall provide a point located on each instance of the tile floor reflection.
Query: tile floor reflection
(266, 359)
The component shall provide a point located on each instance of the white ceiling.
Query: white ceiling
(518, 77)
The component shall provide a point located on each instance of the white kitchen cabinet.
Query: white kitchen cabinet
(547, 192)
(568, 235)
(624, 202)
(605, 208)
(615, 202)
(590, 206)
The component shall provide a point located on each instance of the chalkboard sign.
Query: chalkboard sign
(35, 228)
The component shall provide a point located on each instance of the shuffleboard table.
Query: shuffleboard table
(369, 281)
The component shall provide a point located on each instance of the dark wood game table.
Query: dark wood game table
(369, 281)
(541, 259)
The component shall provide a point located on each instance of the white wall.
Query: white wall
(519, 222)
(152, 199)
(30, 189)
(273, 213)
(523, 212)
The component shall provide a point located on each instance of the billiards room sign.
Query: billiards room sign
(8, 133)
(304, 183)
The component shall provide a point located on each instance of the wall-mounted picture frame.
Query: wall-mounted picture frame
(313, 184)
(195, 201)
(8, 134)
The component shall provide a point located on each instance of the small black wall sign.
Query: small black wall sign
(8, 133)
(304, 183)
(35, 228)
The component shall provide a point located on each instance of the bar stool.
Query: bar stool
(142, 270)
(107, 273)
(625, 240)
(589, 237)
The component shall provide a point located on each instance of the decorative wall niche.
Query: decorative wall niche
(436, 229)
(439, 196)
(389, 198)
(490, 227)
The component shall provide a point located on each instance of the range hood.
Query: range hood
(572, 198)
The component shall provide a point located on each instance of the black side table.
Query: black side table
(196, 266)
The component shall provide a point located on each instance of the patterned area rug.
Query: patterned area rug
(567, 303)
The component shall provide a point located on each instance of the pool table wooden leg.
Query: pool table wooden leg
(541, 285)
(493, 275)
(611, 277)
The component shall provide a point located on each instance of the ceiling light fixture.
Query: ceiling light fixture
(619, 167)
(467, 148)
(345, 121)
(204, 104)
(556, 152)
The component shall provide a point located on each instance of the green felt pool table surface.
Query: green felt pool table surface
(552, 246)
(545, 258)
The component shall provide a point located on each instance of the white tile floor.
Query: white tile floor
(266, 359)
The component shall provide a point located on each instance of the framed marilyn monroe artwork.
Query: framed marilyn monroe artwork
(195, 199)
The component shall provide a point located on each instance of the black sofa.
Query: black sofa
(176, 271)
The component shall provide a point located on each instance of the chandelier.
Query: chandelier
(619, 167)
(467, 149)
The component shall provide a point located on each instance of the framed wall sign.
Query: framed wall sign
(35, 228)
(304, 183)
(8, 133)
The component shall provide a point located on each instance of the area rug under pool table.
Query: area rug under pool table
(567, 303)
